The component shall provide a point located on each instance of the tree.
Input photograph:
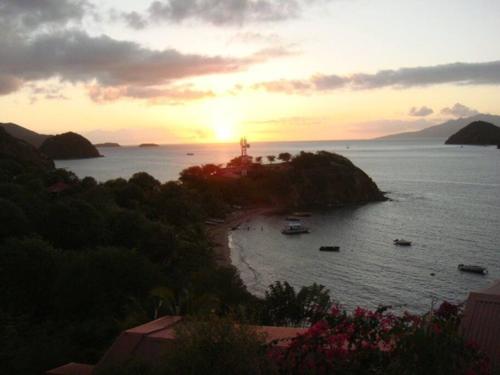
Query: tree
(217, 346)
(285, 156)
(271, 158)
(258, 159)
(283, 306)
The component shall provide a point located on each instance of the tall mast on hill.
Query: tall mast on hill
(244, 146)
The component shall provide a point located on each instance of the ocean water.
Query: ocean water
(446, 199)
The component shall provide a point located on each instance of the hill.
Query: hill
(476, 133)
(22, 152)
(26, 135)
(443, 130)
(69, 146)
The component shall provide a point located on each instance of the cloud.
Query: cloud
(32, 14)
(218, 12)
(9, 84)
(421, 112)
(459, 110)
(256, 38)
(129, 68)
(484, 73)
(172, 95)
(135, 20)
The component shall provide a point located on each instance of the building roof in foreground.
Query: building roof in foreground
(149, 341)
(481, 322)
(72, 369)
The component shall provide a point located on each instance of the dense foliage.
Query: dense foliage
(363, 342)
(307, 180)
(379, 342)
(81, 260)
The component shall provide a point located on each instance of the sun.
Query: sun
(224, 131)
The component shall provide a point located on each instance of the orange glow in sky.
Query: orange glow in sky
(325, 70)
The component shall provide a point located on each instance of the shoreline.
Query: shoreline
(219, 234)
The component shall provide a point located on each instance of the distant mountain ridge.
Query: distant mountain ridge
(19, 132)
(444, 130)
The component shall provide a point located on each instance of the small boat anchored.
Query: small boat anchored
(401, 242)
(329, 248)
(294, 227)
(472, 269)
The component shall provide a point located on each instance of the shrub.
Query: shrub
(379, 342)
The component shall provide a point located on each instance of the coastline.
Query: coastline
(219, 234)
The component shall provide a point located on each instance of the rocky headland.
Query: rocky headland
(69, 146)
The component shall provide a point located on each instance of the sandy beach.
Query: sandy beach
(219, 234)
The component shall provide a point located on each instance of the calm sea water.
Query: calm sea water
(446, 199)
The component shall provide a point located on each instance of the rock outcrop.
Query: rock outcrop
(21, 151)
(476, 133)
(326, 179)
(69, 146)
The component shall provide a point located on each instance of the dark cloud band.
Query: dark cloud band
(484, 73)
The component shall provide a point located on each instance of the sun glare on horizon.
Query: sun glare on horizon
(224, 131)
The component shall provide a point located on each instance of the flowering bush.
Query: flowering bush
(380, 342)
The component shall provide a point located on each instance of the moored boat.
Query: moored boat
(329, 248)
(402, 242)
(294, 228)
(472, 269)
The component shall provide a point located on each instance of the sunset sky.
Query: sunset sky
(183, 71)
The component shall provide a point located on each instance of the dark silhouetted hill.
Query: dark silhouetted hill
(443, 130)
(476, 133)
(21, 151)
(27, 135)
(69, 146)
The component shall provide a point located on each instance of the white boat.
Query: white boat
(402, 242)
(294, 227)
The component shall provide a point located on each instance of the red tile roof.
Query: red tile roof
(72, 369)
(481, 322)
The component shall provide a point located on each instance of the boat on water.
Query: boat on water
(329, 248)
(402, 242)
(292, 218)
(189, 153)
(294, 228)
(472, 269)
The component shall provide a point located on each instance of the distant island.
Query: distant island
(69, 146)
(442, 131)
(476, 133)
(107, 144)
(148, 145)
